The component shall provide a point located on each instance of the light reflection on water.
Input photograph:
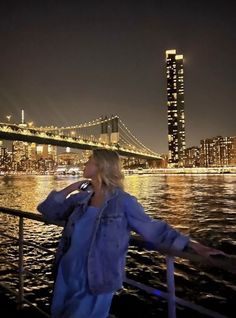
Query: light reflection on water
(202, 206)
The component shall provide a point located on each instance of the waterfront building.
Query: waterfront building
(5, 158)
(192, 157)
(85, 154)
(233, 152)
(46, 158)
(20, 156)
(46, 152)
(218, 151)
(69, 158)
(29, 157)
(175, 108)
(32, 151)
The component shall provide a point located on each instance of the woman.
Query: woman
(91, 254)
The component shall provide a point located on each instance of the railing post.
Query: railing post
(171, 286)
(21, 264)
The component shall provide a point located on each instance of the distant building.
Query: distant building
(45, 151)
(164, 162)
(175, 107)
(192, 157)
(5, 158)
(233, 152)
(30, 156)
(69, 158)
(85, 155)
(218, 152)
(19, 155)
(32, 151)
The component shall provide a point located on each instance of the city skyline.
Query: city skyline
(68, 63)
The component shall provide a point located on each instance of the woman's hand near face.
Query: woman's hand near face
(72, 187)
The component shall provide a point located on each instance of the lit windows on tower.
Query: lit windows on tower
(175, 105)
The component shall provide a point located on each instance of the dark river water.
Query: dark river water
(202, 206)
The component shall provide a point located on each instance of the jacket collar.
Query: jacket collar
(86, 196)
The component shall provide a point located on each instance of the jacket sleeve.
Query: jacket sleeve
(56, 207)
(157, 232)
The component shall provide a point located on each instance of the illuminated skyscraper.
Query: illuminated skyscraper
(175, 106)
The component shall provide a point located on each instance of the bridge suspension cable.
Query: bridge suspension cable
(138, 142)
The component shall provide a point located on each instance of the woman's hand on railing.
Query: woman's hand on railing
(204, 250)
(212, 256)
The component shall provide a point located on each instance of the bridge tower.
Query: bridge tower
(104, 136)
(110, 130)
(114, 138)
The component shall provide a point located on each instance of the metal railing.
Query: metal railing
(226, 263)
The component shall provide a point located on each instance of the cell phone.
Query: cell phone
(84, 186)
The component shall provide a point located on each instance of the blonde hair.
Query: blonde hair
(109, 166)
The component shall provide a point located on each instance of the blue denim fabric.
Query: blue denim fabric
(120, 214)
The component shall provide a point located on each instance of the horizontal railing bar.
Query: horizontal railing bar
(38, 278)
(11, 264)
(26, 272)
(8, 262)
(28, 215)
(9, 236)
(227, 263)
(199, 308)
(25, 300)
(178, 300)
(146, 288)
(9, 289)
(40, 247)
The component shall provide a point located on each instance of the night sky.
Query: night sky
(67, 62)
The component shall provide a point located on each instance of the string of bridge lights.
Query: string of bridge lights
(94, 122)
(99, 121)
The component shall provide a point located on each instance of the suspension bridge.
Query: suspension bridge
(104, 132)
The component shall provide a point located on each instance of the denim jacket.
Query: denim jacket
(120, 214)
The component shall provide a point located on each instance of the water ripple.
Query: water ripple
(203, 207)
